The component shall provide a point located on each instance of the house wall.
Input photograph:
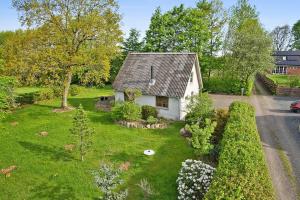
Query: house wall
(293, 70)
(119, 96)
(169, 113)
(192, 87)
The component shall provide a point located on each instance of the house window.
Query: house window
(191, 77)
(284, 58)
(162, 102)
(280, 70)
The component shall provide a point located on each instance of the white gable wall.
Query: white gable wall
(192, 87)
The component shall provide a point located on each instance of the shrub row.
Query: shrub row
(242, 172)
(226, 86)
(130, 111)
(45, 94)
(7, 101)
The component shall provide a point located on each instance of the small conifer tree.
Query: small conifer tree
(81, 130)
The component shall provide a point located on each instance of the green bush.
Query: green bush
(199, 108)
(148, 111)
(57, 91)
(242, 172)
(26, 98)
(128, 111)
(295, 82)
(7, 100)
(152, 120)
(74, 90)
(44, 94)
(201, 136)
(226, 85)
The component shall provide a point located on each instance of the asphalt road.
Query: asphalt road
(280, 137)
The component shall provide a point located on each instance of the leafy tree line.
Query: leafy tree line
(232, 45)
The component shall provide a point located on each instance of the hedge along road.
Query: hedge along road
(280, 137)
(278, 129)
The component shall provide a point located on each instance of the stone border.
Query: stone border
(278, 90)
(141, 124)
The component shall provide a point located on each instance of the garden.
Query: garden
(86, 154)
(46, 168)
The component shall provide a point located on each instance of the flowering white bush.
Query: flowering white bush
(108, 180)
(194, 179)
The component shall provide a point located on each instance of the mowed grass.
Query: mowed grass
(46, 171)
(281, 80)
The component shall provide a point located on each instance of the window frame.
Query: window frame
(162, 102)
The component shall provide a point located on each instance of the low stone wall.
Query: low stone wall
(142, 125)
(269, 84)
(284, 91)
(278, 90)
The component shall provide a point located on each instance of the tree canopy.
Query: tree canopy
(296, 35)
(65, 36)
(282, 38)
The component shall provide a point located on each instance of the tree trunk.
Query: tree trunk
(66, 87)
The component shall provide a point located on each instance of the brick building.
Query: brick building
(287, 62)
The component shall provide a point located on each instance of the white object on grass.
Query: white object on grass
(149, 152)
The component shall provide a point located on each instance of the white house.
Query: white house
(166, 80)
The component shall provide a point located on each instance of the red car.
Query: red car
(295, 106)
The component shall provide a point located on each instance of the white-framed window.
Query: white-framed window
(280, 70)
(162, 102)
(283, 57)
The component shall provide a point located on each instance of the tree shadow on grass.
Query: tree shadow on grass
(54, 191)
(101, 117)
(87, 103)
(54, 153)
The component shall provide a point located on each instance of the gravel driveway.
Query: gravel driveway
(280, 137)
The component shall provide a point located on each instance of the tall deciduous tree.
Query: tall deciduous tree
(239, 13)
(66, 36)
(282, 38)
(250, 51)
(296, 35)
(217, 18)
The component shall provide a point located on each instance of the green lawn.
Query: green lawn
(46, 171)
(281, 80)
(24, 90)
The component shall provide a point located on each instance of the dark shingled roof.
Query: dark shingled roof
(292, 58)
(294, 63)
(171, 73)
(286, 53)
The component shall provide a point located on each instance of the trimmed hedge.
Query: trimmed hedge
(32, 97)
(242, 172)
(225, 85)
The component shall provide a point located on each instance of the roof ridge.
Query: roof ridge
(162, 53)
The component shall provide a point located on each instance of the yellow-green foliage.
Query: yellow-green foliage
(242, 172)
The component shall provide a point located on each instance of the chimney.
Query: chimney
(152, 80)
